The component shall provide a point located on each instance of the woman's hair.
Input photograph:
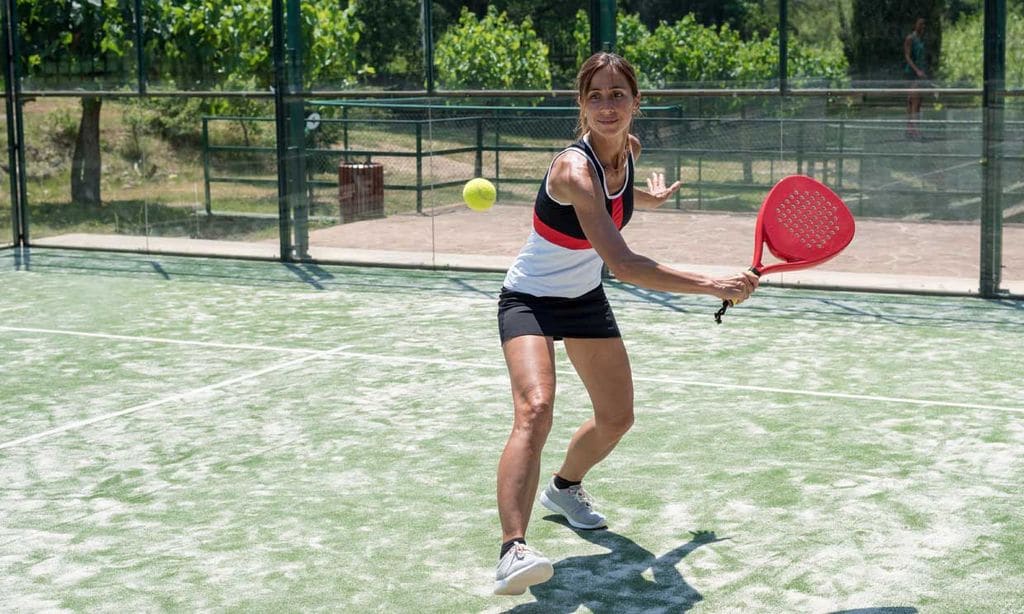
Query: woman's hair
(586, 74)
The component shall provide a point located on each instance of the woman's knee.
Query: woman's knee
(534, 411)
(616, 424)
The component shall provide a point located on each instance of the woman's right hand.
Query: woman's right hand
(736, 288)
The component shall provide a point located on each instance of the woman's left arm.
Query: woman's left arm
(656, 192)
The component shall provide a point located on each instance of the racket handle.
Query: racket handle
(728, 304)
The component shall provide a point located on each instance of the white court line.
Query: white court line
(175, 397)
(726, 386)
(212, 344)
(339, 351)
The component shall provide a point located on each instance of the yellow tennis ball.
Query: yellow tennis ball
(479, 194)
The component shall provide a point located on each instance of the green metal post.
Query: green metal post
(281, 124)
(419, 167)
(298, 195)
(206, 164)
(15, 129)
(428, 44)
(842, 147)
(679, 159)
(700, 179)
(800, 147)
(140, 52)
(497, 152)
(994, 69)
(602, 25)
(783, 46)
(344, 130)
(479, 165)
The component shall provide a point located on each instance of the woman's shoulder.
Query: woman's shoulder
(570, 173)
(634, 145)
(569, 163)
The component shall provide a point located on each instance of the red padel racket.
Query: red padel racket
(803, 223)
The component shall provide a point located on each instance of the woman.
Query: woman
(553, 292)
(914, 70)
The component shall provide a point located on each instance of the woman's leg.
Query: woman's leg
(603, 365)
(531, 368)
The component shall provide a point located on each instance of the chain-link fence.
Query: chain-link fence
(726, 163)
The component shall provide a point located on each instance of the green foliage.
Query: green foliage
(689, 52)
(213, 44)
(393, 46)
(492, 53)
(75, 43)
(62, 127)
(962, 53)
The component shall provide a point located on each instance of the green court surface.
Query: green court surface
(211, 435)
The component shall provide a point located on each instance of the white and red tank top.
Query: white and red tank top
(557, 259)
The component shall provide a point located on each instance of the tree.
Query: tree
(393, 46)
(552, 21)
(213, 44)
(962, 63)
(82, 44)
(492, 53)
(189, 44)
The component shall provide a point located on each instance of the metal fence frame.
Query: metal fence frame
(290, 96)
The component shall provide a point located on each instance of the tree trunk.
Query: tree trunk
(85, 163)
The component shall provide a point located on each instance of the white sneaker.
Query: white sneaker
(575, 504)
(520, 568)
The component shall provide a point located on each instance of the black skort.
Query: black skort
(588, 316)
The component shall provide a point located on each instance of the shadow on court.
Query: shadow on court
(878, 611)
(629, 578)
(626, 578)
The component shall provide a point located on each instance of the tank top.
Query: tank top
(916, 54)
(557, 259)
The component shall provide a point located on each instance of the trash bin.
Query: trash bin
(360, 190)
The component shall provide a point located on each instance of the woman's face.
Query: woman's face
(609, 103)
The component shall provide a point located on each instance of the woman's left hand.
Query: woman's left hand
(656, 187)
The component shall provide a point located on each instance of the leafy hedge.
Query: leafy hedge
(962, 52)
(689, 52)
(492, 53)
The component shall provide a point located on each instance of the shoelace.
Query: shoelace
(582, 496)
(521, 550)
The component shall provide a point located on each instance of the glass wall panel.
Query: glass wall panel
(508, 142)
(366, 45)
(209, 46)
(916, 194)
(77, 45)
(508, 45)
(1015, 45)
(819, 35)
(1013, 197)
(701, 44)
(368, 164)
(155, 175)
(6, 229)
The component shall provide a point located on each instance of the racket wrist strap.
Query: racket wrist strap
(721, 312)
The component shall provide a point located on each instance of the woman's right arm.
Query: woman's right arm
(573, 180)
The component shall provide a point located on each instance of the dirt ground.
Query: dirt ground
(881, 247)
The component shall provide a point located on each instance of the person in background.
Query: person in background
(915, 72)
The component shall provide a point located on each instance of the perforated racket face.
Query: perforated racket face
(805, 221)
